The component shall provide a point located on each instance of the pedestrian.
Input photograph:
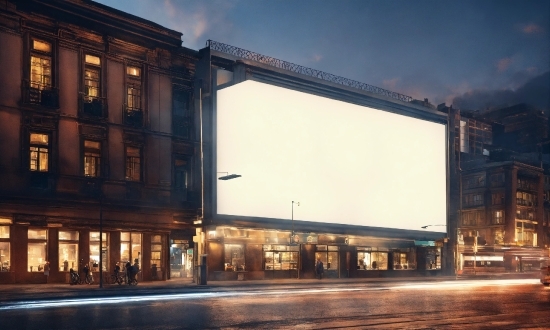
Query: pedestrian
(319, 269)
(47, 270)
(128, 271)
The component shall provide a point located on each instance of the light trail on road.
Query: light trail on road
(73, 302)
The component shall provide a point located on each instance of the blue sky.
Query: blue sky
(435, 49)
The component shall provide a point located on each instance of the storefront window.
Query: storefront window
(371, 259)
(404, 259)
(234, 257)
(4, 248)
(181, 259)
(280, 257)
(328, 255)
(68, 250)
(130, 247)
(94, 251)
(433, 258)
(156, 251)
(36, 250)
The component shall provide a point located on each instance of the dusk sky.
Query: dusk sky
(472, 54)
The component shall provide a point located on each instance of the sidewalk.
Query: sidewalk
(23, 292)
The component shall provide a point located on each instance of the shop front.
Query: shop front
(240, 253)
(26, 248)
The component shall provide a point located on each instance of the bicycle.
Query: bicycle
(88, 278)
(117, 278)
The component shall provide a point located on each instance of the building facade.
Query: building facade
(98, 146)
(503, 224)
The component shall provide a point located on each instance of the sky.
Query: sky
(471, 54)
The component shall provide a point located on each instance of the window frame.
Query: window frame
(48, 148)
(127, 163)
(99, 166)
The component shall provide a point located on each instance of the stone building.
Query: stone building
(97, 135)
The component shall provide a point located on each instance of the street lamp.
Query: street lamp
(228, 176)
(292, 221)
(426, 226)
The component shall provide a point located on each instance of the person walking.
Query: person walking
(319, 269)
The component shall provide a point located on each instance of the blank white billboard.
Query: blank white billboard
(344, 163)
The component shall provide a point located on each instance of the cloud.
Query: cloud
(533, 92)
(316, 58)
(390, 83)
(531, 29)
(504, 64)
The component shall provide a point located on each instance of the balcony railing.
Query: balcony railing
(45, 96)
(133, 117)
(93, 106)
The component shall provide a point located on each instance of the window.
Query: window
(525, 214)
(476, 181)
(68, 250)
(234, 257)
(94, 251)
(472, 200)
(36, 250)
(156, 251)
(527, 184)
(39, 148)
(498, 217)
(134, 88)
(497, 198)
(499, 236)
(277, 257)
(371, 259)
(130, 247)
(526, 199)
(181, 179)
(133, 164)
(526, 233)
(92, 158)
(5, 249)
(40, 69)
(404, 259)
(92, 75)
(473, 218)
(328, 255)
(182, 116)
(497, 179)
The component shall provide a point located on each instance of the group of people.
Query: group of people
(131, 270)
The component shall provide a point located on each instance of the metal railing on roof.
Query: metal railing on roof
(249, 55)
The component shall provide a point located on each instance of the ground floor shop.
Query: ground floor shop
(26, 249)
(234, 254)
(501, 259)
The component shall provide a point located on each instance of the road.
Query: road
(475, 304)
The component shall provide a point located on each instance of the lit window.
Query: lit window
(156, 252)
(5, 248)
(36, 250)
(68, 250)
(91, 59)
(39, 152)
(130, 247)
(94, 251)
(92, 158)
(133, 164)
(41, 66)
(92, 78)
(133, 71)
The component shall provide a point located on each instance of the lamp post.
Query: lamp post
(292, 221)
(228, 176)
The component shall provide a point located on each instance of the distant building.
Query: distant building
(97, 133)
(503, 222)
